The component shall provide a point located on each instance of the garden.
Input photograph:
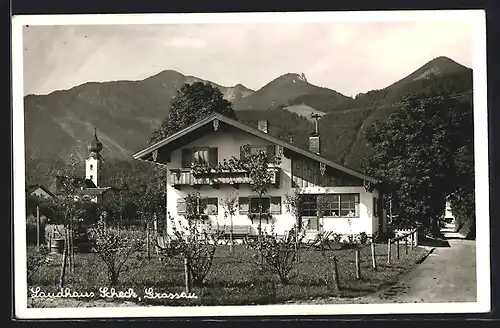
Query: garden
(236, 276)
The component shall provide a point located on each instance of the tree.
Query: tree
(196, 244)
(295, 204)
(258, 164)
(70, 210)
(230, 204)
(416, 151)
(280, 254)
(113, 249)
(191, 103)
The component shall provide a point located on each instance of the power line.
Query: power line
(361, 109)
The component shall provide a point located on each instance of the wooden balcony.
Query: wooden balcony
(185, 177)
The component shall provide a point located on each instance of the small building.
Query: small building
(39, 191)
(355, 200)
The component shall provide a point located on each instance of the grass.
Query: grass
(235, 279)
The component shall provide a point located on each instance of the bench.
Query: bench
(239, 232)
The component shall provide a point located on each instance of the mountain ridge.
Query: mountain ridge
(126, 112)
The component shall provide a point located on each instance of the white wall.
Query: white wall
(229, 145)
(91, 174)
(39, 192)
(364, 223)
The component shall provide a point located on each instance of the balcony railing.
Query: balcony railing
(186, 177)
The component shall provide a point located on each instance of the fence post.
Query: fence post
(147, 241)
(416, 237)
(186, 275)
(389, 248)
(397, 248)
(406, 245)
(412, 239)
(336, 280)
(358, 265)
(374, 261)
(38, 227)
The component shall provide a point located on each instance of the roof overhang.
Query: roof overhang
(147, 153)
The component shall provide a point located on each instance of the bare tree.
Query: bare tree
(230, 204)
(113, 249)
(280, 253)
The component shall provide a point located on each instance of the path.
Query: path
(447, 275)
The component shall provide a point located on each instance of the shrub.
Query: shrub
(279, 253)
(197, 245)
(113, 249)
(35, 260)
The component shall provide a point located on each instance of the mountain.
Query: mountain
(281, 91)
(344, 125)
(437, 67)
(126, 112)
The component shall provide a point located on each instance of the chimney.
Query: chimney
(314, 144)
(290, 138)
(262, 126)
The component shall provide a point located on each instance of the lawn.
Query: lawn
(235, 279)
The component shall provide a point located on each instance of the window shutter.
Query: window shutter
(275, 205)
(242, 152)
(187, 157)
(271, 151)
(213, 156)
(243, 205)
(181, 207)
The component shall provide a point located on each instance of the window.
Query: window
(203, 155)
(270, 205)
(275, 205)
(270, 150)
(309, 205)
(349, 204)
(181, 207)
(243, 205)
(200, 156)
(254, 204)
(91, 177)
(329, 204)
(91, 167)
(209, 205)
(332, 205)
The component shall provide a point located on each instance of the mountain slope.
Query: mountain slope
(124, 112)
(281, 91)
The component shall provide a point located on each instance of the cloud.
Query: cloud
(350, 57)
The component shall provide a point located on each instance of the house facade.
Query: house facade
(354, 202)
(40, 191)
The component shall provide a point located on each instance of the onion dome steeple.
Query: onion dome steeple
(95, 145)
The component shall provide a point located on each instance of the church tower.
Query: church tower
(94, 160)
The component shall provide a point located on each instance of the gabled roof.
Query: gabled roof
(32, 188)
(94, 191)
(77, 183)
(145, 153)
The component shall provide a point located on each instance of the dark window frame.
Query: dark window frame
(310, 206)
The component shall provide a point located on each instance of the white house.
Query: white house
(355, 200)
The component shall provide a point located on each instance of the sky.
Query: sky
(349, 57)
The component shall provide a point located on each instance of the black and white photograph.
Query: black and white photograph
(250, 164)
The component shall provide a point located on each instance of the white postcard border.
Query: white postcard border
(481, 167)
